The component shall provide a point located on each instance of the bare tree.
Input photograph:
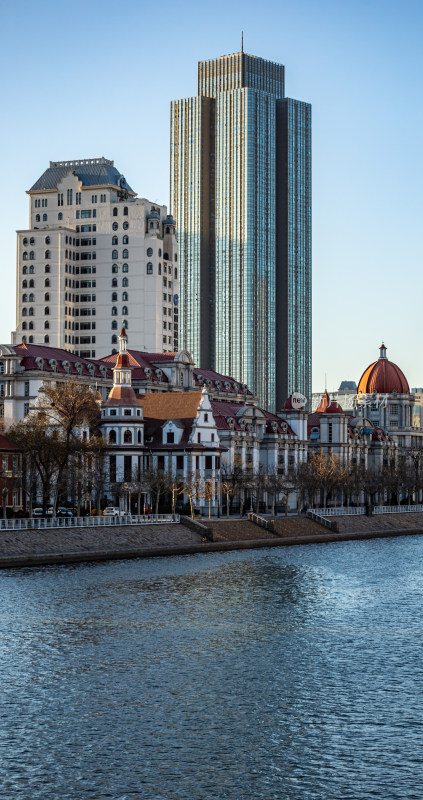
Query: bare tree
(158, 482)
(277, 484)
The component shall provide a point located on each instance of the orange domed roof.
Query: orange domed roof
(383, 377)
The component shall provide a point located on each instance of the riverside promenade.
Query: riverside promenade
(31, 547)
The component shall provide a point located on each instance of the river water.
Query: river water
(283, 673)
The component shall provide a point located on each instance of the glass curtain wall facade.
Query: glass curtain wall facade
(241, 196)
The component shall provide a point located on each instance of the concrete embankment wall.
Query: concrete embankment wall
(29, 559)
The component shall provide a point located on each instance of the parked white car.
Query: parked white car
(111, 511)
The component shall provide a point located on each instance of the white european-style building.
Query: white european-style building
(93, 257)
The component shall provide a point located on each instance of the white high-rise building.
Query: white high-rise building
(95, 257)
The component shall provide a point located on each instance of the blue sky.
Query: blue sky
(88, 79)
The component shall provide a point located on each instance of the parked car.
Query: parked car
(111, 511)
(37, 512)
(64, 512)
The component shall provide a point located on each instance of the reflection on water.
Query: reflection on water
(288, 673)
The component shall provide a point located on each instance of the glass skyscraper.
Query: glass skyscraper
(241, 196)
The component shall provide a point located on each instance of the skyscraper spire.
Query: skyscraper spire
(242, 41)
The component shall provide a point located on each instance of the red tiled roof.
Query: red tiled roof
(122, 396)
(213, 377)
(30, 352)
(141, 361)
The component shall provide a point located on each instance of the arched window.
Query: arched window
(124, 309)
(31, 312)
(114, 325)
(24, 298)
(24, 284)
(114, 311)
(125, 225)
(114, 282)
(150, 252)
(47, 240)
(24, 312)
(114, 255)
(37, 218)
(160, 268)
(125, 211)
(60, 216)
(46, 297)
(167, 229)
(124, 296)
(46, 338)
(114, 339)
(112, 437)
(47, 254)
(47, 282)
(44, 217)
(25, 256)
(114, 297)
(125, 240)
(127, 437)
(115, 212)
(166, 256)
(25, 241)
(114, 267)
(125, 282)
(115, 226)
(176, 257)
(114, 240)
(125, 323)
(125, 254)
(24, 270)
(46, 310)
(24, 339)
(149, 267)
(31, 339)
(46, 325)
(46, 268)
(24, 326)
(31, 283)
(31, 297)
(125, 268)
(139, 437)
(31, 326)
(31, 270)
(160, 252)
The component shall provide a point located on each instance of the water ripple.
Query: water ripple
(288, 674)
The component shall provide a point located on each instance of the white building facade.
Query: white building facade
(93, 257)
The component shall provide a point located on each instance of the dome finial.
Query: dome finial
(382, 351)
